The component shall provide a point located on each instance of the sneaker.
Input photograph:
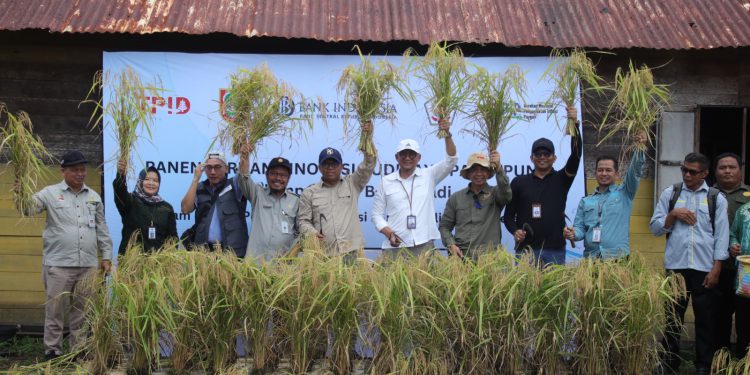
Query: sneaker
(50, 355)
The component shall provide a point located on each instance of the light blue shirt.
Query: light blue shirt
(693, 246)
(609, 210)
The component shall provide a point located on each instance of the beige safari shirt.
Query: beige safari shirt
(334, 210)
(75, 228)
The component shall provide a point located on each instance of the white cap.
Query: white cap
(408, 144)
(218, 155)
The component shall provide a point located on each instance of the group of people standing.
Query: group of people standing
(77, 241)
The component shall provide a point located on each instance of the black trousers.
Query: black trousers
(704, 307)
(742, 325)
(725, 307)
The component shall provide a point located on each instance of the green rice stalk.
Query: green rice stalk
(127, 109)
(494, 98)
(637, 105)
(443, 70)
(26, 154)
(255, 100)
(365, 87)
(570, 72)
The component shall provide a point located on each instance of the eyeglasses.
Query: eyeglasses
(477, 203)
(278, 174)
(689, 171)
(213, 167)
(329, 165)
(542, 154)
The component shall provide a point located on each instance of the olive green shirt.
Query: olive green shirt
(735, 199)
(476, 220)
(333, 210)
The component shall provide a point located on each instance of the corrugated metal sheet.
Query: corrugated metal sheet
(606, 24)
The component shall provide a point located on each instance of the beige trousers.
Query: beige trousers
(65, 288)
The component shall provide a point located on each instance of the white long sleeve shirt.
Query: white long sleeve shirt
(397, 198)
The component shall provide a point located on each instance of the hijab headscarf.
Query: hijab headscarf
(156, 198)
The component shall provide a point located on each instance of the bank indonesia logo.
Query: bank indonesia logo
(286, 106)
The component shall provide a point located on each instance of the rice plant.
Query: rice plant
(569, 71)
(494, 97)
(637, 105)
(365, 88)
(255, 99)
(127, 109)
(429, 315)
(26, 155)
(447, 81)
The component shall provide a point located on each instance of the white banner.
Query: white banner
(187, 116)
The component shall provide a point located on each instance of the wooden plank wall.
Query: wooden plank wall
(21, 290)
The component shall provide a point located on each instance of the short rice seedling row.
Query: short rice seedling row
(430, 315)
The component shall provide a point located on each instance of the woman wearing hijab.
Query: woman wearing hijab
(143, 210)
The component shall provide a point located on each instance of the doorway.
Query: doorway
(720, 130)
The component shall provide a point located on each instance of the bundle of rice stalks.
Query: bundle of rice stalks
(260, 106)
(127, 108)
(26, 155)
(443, 69)
(494, 97)
(637, 105)
(569, 71)
(724, 364)
(365, 87)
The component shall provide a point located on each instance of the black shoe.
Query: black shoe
(48, 356)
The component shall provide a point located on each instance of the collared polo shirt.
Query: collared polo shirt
(476, 224)
(274, 220)
(397, 198)
(693, 246)
(609, 210)
(69, 239)
(735, 198)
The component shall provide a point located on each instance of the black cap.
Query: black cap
(71, 158)
(329, 153)
(543, 143)
(280, 162)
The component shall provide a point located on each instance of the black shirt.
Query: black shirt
(552, 193)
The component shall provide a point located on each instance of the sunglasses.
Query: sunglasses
(542, 154)
(689, 171)
(329, 165)
(216, 167)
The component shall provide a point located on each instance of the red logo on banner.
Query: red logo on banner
(174, 105)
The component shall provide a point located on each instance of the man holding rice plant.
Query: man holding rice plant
(329, 209)
(475, 210)
(274, 209)
(76, 237)
(692, 215)
(219, 205)
(728, 173)
(603, 218)
(403, 209)
(536, 215)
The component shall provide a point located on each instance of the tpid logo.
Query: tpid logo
(286, 105)
(174, 105)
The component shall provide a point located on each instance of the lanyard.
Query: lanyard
(408, 195)
(600, 207)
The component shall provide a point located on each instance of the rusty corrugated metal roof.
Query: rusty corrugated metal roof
(605, 24)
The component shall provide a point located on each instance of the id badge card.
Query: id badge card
(284, 227)
(92, 222)
(411, 222)
(596, 235)
(151, 233)
(536, 210)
